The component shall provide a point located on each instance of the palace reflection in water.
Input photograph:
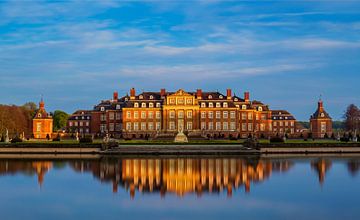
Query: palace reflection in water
(178, 176)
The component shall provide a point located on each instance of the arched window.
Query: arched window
(218, 105)
(260, 109)
(151, 97)
(225, 105)
(143, 105)
(243, 107)
(211, 105)
(151, 105)
(141, 97)
(136, 105)
(221, 97)
(203, 105)
(210, 96)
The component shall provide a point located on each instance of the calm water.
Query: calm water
(181, 188)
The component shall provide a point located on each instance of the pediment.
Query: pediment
(181, 92)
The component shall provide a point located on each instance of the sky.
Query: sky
(285, 53)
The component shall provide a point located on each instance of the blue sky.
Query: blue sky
(286, 53)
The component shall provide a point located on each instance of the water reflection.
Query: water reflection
(178, 176)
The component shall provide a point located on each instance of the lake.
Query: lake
(233, 187)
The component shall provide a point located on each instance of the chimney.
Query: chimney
(247, 96)
(320, 104)
(132, 93)
(115, 96)
(199, 94)
(162, 92)
(228, 94)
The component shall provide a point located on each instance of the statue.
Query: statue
(338, 137)
(77, 136)
(180, 137)
(7, 136)
(355, 137)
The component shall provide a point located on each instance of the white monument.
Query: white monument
(181, 137)
(7, 136)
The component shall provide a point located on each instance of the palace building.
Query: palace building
(320, 122)
(42, 123)
(198, 114)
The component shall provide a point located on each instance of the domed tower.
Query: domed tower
(42, 123)
(320, 122)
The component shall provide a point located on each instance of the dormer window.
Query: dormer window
(88, 117)
(211, 105)
(136, 105)
(126, 99)
(117, 106)
(221, 97)
(243, 107)
(151, 97)
(151, 105)
(141, 96)
(82, 113)
(143, 105)
(286, 117)
(39, 115)
(260, 109)
(210, 96)
(322, 115)
(218, 105)
(236, 99)
(203, 105)
(225, 105)
(158, 105)
(281, 118)
(75, 117)
(102, 109)
(82, 117)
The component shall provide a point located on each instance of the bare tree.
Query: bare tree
(352, 118)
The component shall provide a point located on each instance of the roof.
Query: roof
(281, 115)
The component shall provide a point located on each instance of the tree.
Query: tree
(352, 118)
(60, 118)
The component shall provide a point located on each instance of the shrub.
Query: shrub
(86, 140)
(16, 140)
(276, 140)
(262, 136)
(345, 139)
(326, 136)
(2, 138)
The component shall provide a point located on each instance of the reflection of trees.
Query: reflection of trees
(181, 176)
(31, 168)
(321, 166)
(353, 167)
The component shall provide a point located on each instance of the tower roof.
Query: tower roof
(320, 112)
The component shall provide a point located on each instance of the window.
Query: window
(281, 123)
(158, 126)
(136, 115)
(117, 107)
(262, 127)
(151, 114)
(87, 123)
(203, 125)
(211, 126)
(203, 105)
(210, 97)
(151, 97)
(81, 123)
(102, 109)
(189, 126)
(158, 105)
(292, 124)
(243, 116)
(141, 96)
(128, 126)
(82, 118)
(143, 105)
(250, 116)
(111, 127)
(211, 105)
(232, 126)
(286, 123)
(172, 114)
(225, 105)
(180, 114)
(236, 99)
(128, 114)
(111, 115)
(118, 127)
(211, 114)
(81, 130)
(218, 114)
(243, 107)
(158, 115)
(189, 101)
(172, 125)
(172, 101)
(118, 116)
(189, 114)
(151, 126)
(180, 101)
(225, 114)
(257, 117)
(151, 105)
(103, 128)
(87, 130)
(263, 117)
(232, 114)
(136, 126)
(292, 131)
(203, 114)
(243, 126)
(225, 126)
(218, 105)
(275, 123)
(250, 126)
(218, 126)
(103, 117)
(323, 127)
(38, 126)
(70, 124)
(143, 126)
(76, 123)
(136, 105)
(143, 114)
(260, 109)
